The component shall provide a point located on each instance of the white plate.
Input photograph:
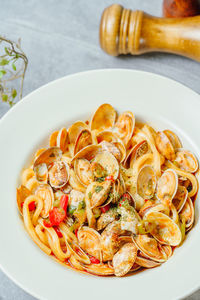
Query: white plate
(160, 101)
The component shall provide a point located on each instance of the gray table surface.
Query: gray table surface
(60, 38)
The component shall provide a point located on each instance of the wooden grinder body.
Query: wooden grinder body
(123, 31)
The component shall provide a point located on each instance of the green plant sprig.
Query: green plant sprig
(11, 58)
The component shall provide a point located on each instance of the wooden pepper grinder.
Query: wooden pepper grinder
(180, 8)
(124, 31)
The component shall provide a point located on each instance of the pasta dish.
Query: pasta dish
(109, 196)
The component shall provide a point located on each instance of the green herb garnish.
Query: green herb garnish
(71, 209)
(98, 188)
(90, 195)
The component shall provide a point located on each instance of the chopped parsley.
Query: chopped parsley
(98, 188)
(90, 195)
(71, 209)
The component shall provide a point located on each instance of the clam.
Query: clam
(124, 259)
(48, 156)
(150, 248)
(83, 140)
(187, 213)
(74, 130)
(74, 182)
(109, 163)
(106, 135)
(76, 198)
(180, 197)
(110, 240)
(146, 263)
(163, 228)
(106, 218)
(167, 187)
(186, 160)
(45, 192)
(22, 194)
(124, 126)
(173, 214)
(90, 241)
(62, 139)
(88, 153)
(103, 118)
(53, 139)
(58, 174)
(165, 146)
(98, 192)
(129, 217)
(146, 182)
(39, 151)
(41, 173)
(83, 171)
(136, 151)
(106, 146)
(176, 143)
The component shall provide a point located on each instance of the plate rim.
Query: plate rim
(83, 73)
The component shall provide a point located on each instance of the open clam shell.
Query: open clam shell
(186, 160)
(104, 117)
(124, 259)
(124, 126)
(48, 156)
(41, 173)
(113, 149)
(90, 241)
(83, 171)
(146, 263)
(163, 228)
(45, 192)
(110, 241)
(88, 153)
(109, 163)
(106, 218)
(180, 197)
(187, 213)
(136, 151)
(53, 139)
(58, 174)
(74, 130)
(62, 139)
(83, 140)
(175, 141)
(106, 135)
(146, 182)
(99, 192)
(150, 247)
(165, 146)
(167, 187)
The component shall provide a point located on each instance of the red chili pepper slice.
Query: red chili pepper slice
(94, 260)
(76, 232)
(64, 202)
(56, 216)
(126, 196)
(110, 177)
(31, 205)
(47, 223)
(105, 208)
(57, 230)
